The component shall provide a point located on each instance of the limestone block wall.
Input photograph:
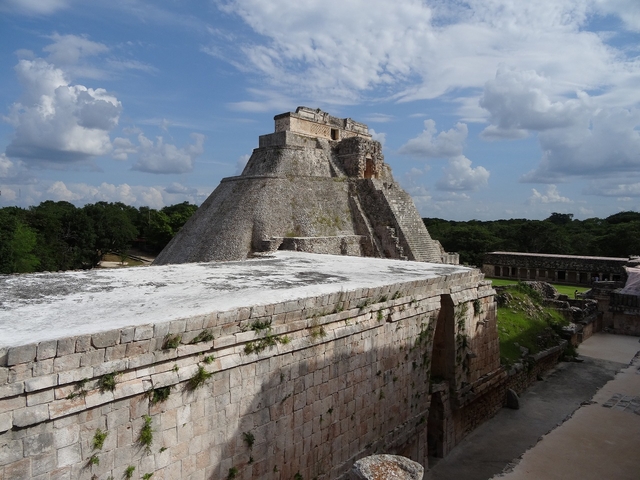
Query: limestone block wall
(556, 268)
(300, 387)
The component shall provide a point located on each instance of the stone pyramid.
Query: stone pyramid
(318, 184)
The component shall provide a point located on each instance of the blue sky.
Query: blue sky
(486, 109)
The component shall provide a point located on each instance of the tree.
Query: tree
(23, 244)
(112, 225)
(560, 218)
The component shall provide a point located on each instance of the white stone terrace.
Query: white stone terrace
(48, 306)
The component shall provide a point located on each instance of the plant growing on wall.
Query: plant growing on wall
(78, 390)
(267, 341)
(203, 336)
(171, 341)
(98, 439)
(209, 359)
(158, 395)
(145, 438)
(128, 472)
(477, 307)
(461, 315)
(249, 439)
(198, 379)
(107, 382)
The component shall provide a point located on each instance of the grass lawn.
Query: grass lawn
(524, 322)
(562, 289)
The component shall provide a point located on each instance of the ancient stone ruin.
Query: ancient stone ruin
(319, 184)
(290, 365)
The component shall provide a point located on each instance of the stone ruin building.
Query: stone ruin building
(319, 184)
(546, 267)
(613, 280)
(289, 365)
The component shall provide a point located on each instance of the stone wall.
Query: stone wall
(554, 268)
(305, 386)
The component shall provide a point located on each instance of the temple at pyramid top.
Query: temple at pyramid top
(317, 184)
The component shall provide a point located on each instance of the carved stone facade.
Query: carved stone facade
(569, 269)
(318, 184)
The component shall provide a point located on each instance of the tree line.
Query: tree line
(60, 236)
(615, 236)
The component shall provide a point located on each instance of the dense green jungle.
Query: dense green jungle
(615, 236)
(60, 236)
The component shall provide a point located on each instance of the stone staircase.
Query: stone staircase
(422, 247)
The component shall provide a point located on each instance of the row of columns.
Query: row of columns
(571, 276)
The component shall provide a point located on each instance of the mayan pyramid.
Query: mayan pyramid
(318, 184)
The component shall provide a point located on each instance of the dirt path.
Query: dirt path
(499, 443)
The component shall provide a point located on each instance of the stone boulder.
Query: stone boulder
(386, 467)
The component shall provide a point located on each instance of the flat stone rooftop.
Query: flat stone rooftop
(47, 306)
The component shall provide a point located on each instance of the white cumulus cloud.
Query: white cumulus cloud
(460, 176)
(56, 122)
(161, 157)
(552, 195)
(436, 145)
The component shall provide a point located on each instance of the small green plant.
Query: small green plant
(380, 315)
(128, 472)
(275, 469)
(78, 390)
(145, 438)
(297, 476)
(203, 336)
(94, 460)
(175, 368)
(98, 439)
(160, 394)
(396, 295)
(381, 396)
(477, 307)
(107, 382)
(267, 341)
(209, 359)
(162, 449)
(249, 439)
(318, 331)
(171, 341)
(461, 315)
(258, 325)
(233, 472)
(198, 378)
(330, 411)
(250, 459)
(364, 304)
(147, 476)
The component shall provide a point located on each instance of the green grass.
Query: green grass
(524, 322)
(562, 289)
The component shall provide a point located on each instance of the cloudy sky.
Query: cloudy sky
(486, 109)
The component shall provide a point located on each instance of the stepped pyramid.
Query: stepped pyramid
(318, 184)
